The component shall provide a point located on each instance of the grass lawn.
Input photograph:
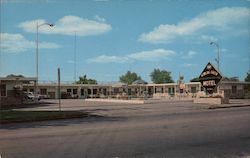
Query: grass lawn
(8, 116)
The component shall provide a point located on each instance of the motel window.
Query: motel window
(94, 91)
(173, 90)
(193, 89)
(150, 91)
(129, 91)
(169, 90)
(43, 91)
(74, 91)
(89, 91)
(69, 90)
(116, 90)
(234, 89)
(104, 91)
(3, 90)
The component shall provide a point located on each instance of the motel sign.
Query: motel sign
(209, 78)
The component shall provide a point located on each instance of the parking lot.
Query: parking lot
(120, 109)
(128, 109)
(167, 129)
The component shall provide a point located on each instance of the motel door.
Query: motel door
(82, 93)
(129, 91)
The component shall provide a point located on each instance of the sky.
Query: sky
(105, 38)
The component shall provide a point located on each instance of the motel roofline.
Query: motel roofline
(109, 85)
(235, 82)
(164, 84)
(132, 85)
(18, 79)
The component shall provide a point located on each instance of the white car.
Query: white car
(30, 95)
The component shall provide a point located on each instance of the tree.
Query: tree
(161, 76)
(129, 77)
(195, 79)
(12, 75)
(247, 79)
(85, 80)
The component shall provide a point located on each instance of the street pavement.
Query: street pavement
(173, 129)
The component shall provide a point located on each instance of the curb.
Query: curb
(223, 107)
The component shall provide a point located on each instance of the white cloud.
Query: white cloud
(108, 59)
(69, 25)
(98, 18)
(189, 55)
(153, 55)
(188, 65)
(15, 43)
(219, 20)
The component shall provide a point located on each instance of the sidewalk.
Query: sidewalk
(232, 103)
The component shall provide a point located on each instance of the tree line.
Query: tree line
(157, 76)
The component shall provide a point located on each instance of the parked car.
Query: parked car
(31, 96)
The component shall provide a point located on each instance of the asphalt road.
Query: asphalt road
(155, 130)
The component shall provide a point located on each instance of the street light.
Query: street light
(37, 56)
(218, 55)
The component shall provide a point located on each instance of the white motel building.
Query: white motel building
(12, 88)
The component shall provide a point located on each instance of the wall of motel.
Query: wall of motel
(234, 89)
(115, 90)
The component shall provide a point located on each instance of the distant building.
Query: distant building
(234, 89)
(11, 89)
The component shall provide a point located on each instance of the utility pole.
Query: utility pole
(217, 60)
(59, 88)
(37, 57)
(75, 58)
(218, 54)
